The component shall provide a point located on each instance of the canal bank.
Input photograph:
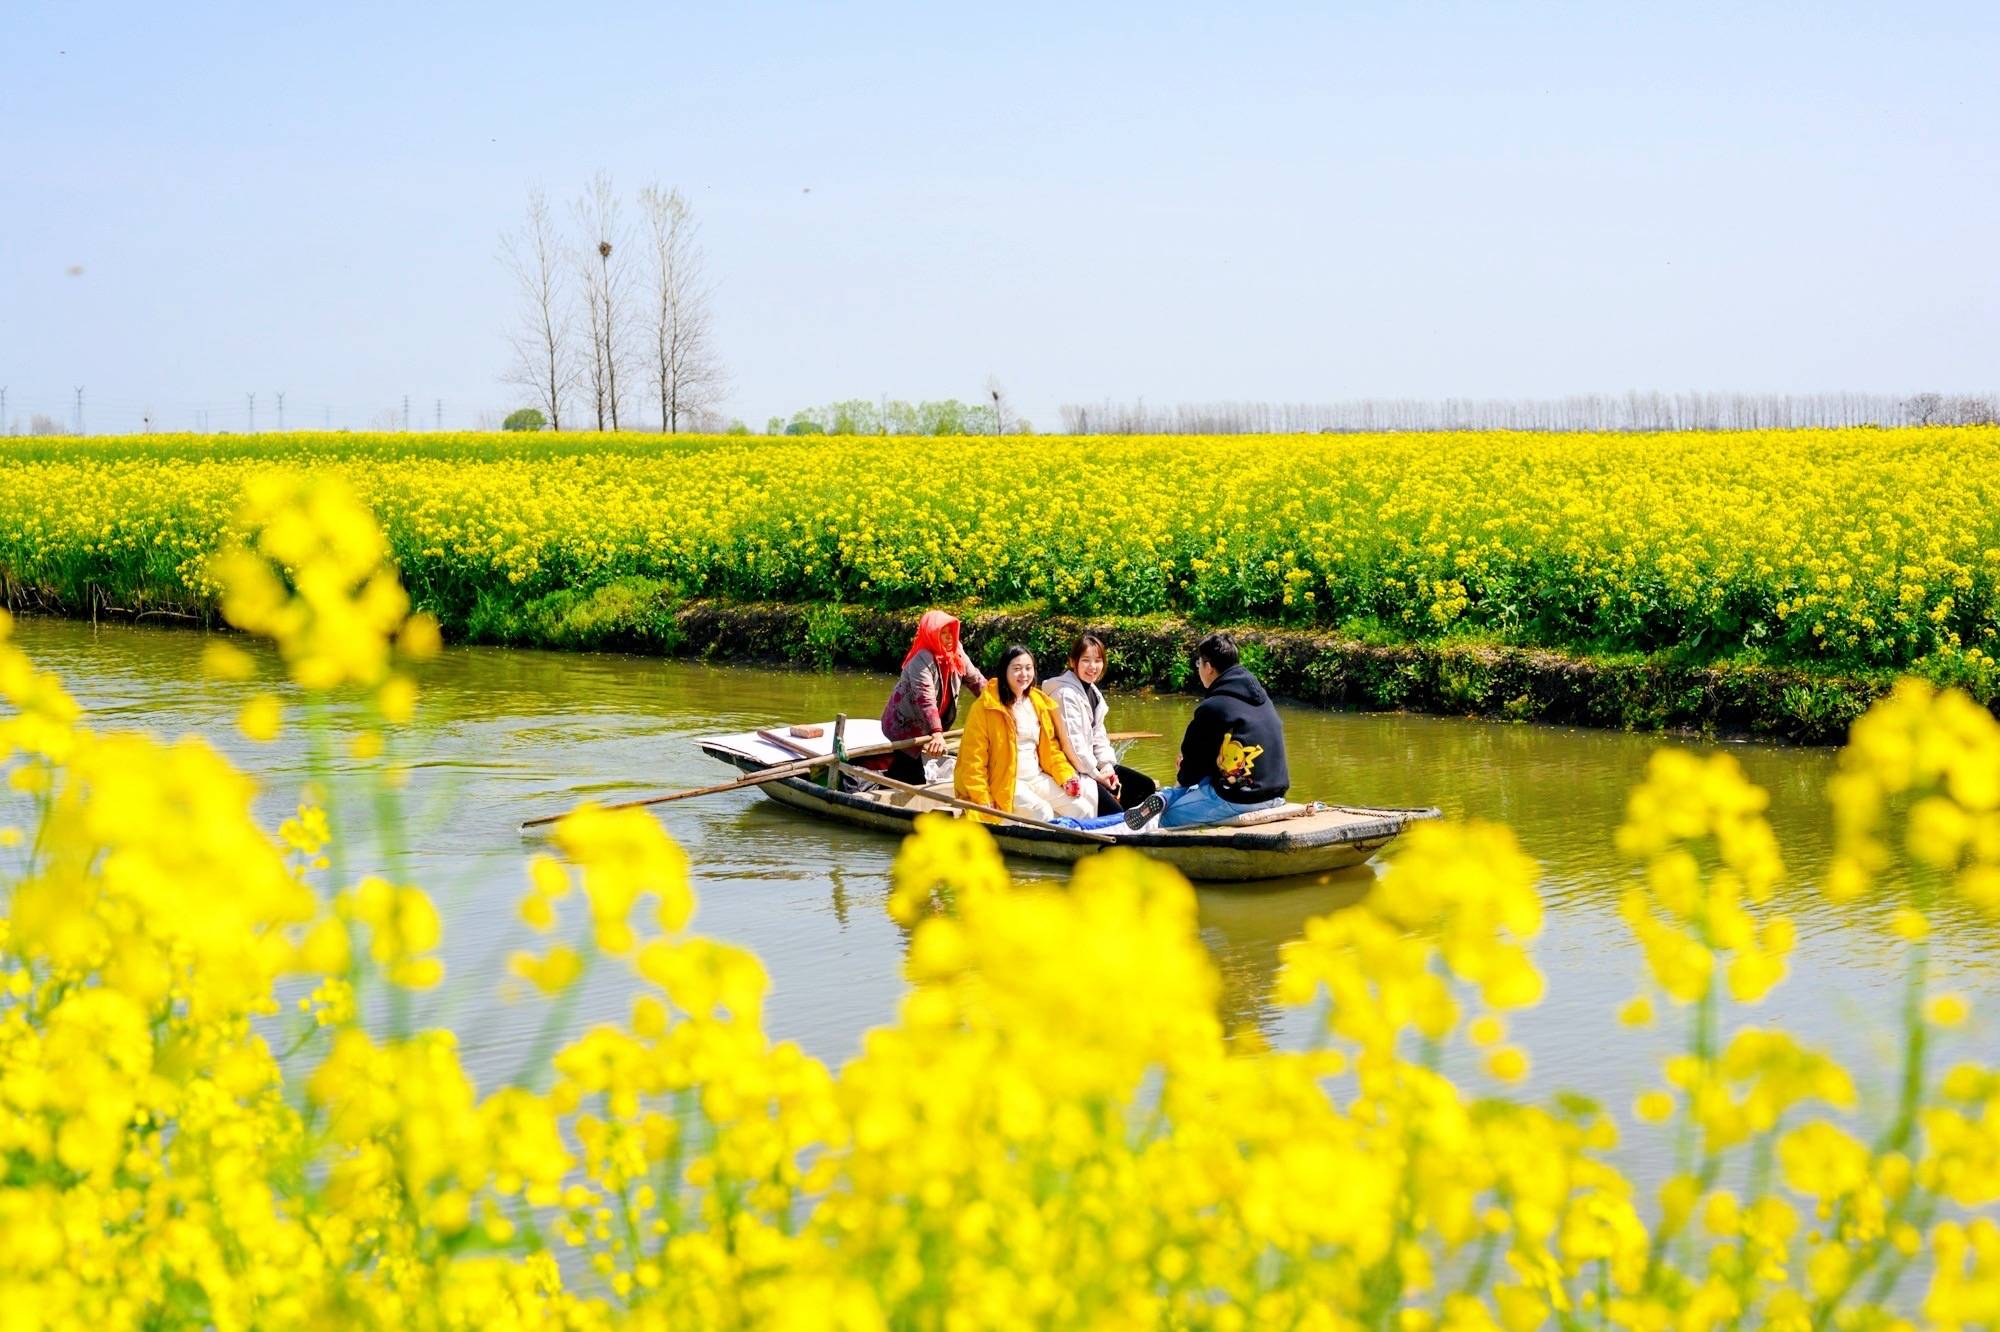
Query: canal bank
(1465, 679)
(1456, 678)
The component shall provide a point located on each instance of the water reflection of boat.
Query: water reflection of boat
(1271, 844)
(1245, 934)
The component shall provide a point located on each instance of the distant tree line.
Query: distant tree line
(1589, 411)
(858, 416)
(612, 312)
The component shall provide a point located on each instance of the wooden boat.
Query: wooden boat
(1269, 844)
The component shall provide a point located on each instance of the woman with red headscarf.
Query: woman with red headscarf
(925, 700)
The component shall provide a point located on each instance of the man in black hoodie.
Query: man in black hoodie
(1233, 755)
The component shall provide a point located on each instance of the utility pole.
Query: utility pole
(440, 414)
(281, 411)
(406, 413)
(253, 412)
(79, 409)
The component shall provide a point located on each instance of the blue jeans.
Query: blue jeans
(1197, 806)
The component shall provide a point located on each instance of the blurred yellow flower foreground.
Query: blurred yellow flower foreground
(1053, 1133)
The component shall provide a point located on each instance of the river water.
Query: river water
(503, 735)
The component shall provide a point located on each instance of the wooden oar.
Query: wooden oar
(870, 775)
(782, 771)
(779, 741)
(776, 773)
(772, 737)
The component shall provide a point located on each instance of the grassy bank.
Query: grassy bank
(1458, 678)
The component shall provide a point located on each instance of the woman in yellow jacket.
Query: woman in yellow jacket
(1011, 755)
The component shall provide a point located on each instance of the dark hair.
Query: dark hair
(1219, 651)
(1085, 642)
(1014, 650)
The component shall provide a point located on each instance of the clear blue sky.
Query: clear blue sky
(1300, 203)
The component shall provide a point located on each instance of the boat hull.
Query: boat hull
(1314, 844)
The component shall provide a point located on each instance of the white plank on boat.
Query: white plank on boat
(748, 744)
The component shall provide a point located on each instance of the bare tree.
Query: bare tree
(594, 368)
(543, 360)
(998, 393)
(602, 263)
(686, 375)
(1923, 408)
(1975, 411)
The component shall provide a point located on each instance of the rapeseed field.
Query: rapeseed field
(1865, 548)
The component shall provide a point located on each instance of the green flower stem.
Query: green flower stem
(1915, 1049)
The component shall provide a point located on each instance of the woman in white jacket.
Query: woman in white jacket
(1080, 700)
